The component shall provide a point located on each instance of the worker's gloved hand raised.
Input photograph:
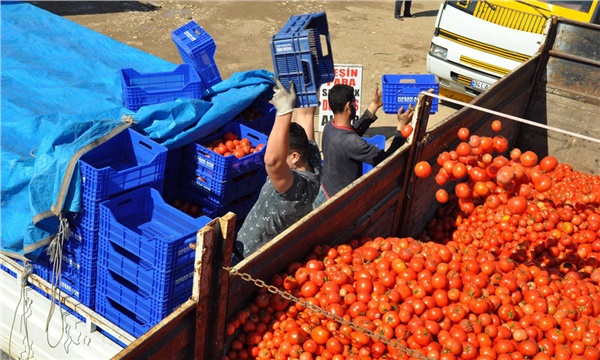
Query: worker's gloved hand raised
(283, 100)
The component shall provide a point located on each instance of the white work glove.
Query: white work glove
(283, 100)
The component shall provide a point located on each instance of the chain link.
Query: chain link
(286, 295)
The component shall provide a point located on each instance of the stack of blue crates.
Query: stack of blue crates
(298, 56)
(192, 79)
(145, 263)
(402, 90)
(197, 48)
(226, 182)
(124, 162)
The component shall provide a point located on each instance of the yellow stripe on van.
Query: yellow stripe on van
(484, 66)
(490, 49)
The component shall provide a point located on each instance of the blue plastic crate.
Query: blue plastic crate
(143, 299)
(298, 56)
(215, 167)
(116, 264)
(124, 162)
(185, 199)
(141, 222)
(172, 166)
(154, 88)
(259, 116)
(377, 140)
(136, 323)
(242, 206)
(197, 48)
(82, 241)
(403, 90)
(225, 192)
(78, 276)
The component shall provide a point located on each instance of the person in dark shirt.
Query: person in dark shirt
(293, 164)
(344, 149)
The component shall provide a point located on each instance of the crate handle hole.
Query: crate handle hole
(252, 136)
(324, 49)
(306, 72)
(408, 81)
(125, 202)
(145, 144)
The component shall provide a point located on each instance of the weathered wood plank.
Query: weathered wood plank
(220, 286)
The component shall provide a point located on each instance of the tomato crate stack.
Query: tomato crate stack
(400, 90)
(228, 183)
(197, 48)
(300, 56)
(145, 263)
(124, 162)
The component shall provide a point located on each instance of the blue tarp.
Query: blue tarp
(61, 90)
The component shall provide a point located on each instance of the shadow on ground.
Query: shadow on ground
(71, 8)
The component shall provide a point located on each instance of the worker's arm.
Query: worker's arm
(305, 117)
(369, 117)
(278, 146)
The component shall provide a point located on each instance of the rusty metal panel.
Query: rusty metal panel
(577, 39)
(574, 58)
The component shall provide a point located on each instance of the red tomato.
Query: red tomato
(406, 131)
(496, 125)
(422, 169)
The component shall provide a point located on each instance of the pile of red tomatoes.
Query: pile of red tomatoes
(508, 269)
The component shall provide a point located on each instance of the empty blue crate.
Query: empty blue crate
(403, 90)
(216, 167)
(172, 169)
(135, 324)
(259, 116)
(141, 301)
(124, 162)
(223, 192)
(155, 88)
(299, 56)
(119, 265)
(191, 202)
(377, 140)
(77, 277)
(142, 223)
(197, 48)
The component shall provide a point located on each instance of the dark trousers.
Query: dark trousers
(398, 6)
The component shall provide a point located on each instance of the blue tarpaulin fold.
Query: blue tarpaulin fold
(61, 90)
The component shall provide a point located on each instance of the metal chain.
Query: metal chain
(286, 295)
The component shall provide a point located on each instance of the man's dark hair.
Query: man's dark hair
(338, 96)
(298, 140)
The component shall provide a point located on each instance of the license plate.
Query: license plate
(479, 85)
